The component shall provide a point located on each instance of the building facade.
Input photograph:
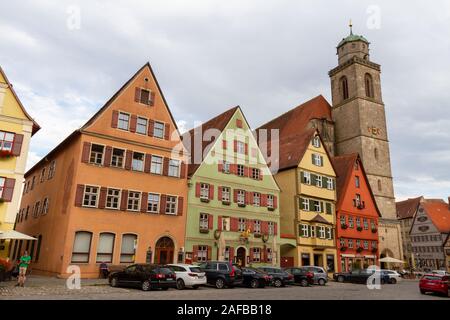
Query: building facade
(429, 231)
(405, 213)
(447, 251)
(233, 210)
(114, 191)
(357, 215)
(16, 129)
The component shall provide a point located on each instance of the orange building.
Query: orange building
(357, 215)
(113, 191)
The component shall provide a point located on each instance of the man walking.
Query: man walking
(24, 262)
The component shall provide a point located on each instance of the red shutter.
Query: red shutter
(220, 166)
(124, 200)
(180, 206)
(263, 200)
(167, 131)
(102, 199)
(209, 252)
(233, 168)
(251, 225)
(235, 196)
(137, 94)
(275, 202)
(210, 221)
(152, 99)
(249, 197)
(17, 145)
(162, 206)
(231, 251)
(165, 166)
(8, 189)
(246, 171)
(211, 192)
(224, 144)
(219, 222)
(151, 127)
(260, 174)
(128, 159)
(115, 118)
(219, 193)
(194, 253)
(183, 170)
(264, 227)
(235, 145)
(234, 224)
(144, 201)
(251, 254)
(147, 163)
(246, 148)
(133, 122)
(108, 154)
(264, 254)
(275, 229)
(197, 189)
(86, 151)
(79, 195)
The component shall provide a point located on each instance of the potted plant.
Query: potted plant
(6, 154)
(257, 235)
(374, 230)
(226, 203)
(241, 205)
(359, 249)
(343, 248)
(204, 200)
(344, 226)
(359, 228)
(271, 208)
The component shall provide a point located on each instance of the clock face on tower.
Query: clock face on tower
(374, 130)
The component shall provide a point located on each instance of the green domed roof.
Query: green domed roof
(352, 37)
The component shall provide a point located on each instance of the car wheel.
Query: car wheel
(321, 282)
(393, 281)
(422, 291)
(114, 282)
(180, 284)
(254, 283)
(340, 279)
(220, 283)
(277, 283)
(304, 283)
(146, 286)
(195, 287)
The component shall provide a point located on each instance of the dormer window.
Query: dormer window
(316, 142)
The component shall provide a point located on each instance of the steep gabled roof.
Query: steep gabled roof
(36, 127)
(407, 208)
(319, 219)
(439, 213)
(343, 166)
(219, 123)
(291, 122)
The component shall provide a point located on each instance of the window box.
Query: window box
(206, 200)
(359, 249)
(359, 228)
(204, 230)
(344, 226)
(271, 208)
(257, 235)
(343, 248)
(241, 205)
(374, 230)
(5, 154)
(226, 203)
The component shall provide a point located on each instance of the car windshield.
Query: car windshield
(195, 269)
(147, 268)
(165, 270)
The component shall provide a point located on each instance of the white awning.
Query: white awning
(390, 259)
(12, 234)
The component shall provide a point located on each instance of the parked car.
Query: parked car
(188, 276)
(320, 275)
(359, 276)
(144, 276)
(255, 278)
(222, 274)
(393, 275)
(436, 283)
(441, 272)
(280, 278)
(301, 276)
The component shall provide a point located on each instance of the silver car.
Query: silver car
(320, 275)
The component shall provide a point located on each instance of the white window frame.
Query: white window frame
(257, 226)
(133, 201)
(116, 158)
(156, 163)
(330, 183)
(240, 147)
(226, 194)
(322, 234)
(306, 177)
(45, 206)
(317, 206)
(91, 195)
(319, 180)
(155, 129)
(316, 142)
(256, 199)
(111, 198)
(204, 221)
(51, 170)
(271, 228)
(204, 191)
(202, 253)
(226, 167)
(121, 121)
(242, 225)
(240, 170)
(174, 168)
(255, 173)
(96, 154)
(142, 162)
(151, 202)
(305, 204)
(241, 197)
(270, 201)
(305, 230)
(317, 160)
(140, 125)
(171, 207)
(256, 254)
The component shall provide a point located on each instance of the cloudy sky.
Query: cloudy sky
(66, 58)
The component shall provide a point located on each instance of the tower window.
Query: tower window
(344, 87)
(369, 85)
(375, 153)
(379, 185)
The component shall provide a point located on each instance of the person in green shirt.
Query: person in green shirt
(24, 262)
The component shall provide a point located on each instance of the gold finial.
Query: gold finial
(351, 27)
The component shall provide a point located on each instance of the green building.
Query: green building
(232, 199)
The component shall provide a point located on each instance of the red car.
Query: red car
(436, 283)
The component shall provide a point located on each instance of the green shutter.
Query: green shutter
(311, 205)
(325, 182)
(302, 175)
(312, 158)
(313, 179)
(321, 161)
(300, 204)
(328, 206)
(322, 209)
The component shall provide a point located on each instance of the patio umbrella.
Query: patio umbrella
(391, 260)
(12, 234)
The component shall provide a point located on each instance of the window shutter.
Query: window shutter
(275, 202)
(332, 233)
(235, 145)
(328, 206)
(115, 118)
(86, 151)
(219, 222)
(210, 221)
(124, 200)
(209, 252)
(249, 197)
(246, 171)
(300, 203)
(148, 163)
(246, 149)
(79, 195)
(231, 251)
(311, 205)
(167, 131)
(133, 122)
(224, 144)
(180, 206)
(302, 176)
(251, 254)
(219, 193)
(263, 200)
(144, 201)
(324, 182)
(312, 159)
(17, 145)
(235, 196)
(183, 170)
(152, 99)
(128, 159)
(234, 224)
(102, 199)
(108, 154)
(151, 127)
(313, 179)
(8, 189)
(264, 227)
(322, 209)
(137, 94)
(321, 161)
(165, 166)
(233, 168)
(194, 253)
(197, 189)
(211, 192)
(275, 228)
(250, 225)
(260, 174)
(162, 205)
(220, 166)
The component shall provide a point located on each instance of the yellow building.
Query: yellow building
(16, 129)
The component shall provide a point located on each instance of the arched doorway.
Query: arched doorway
(241, 256)
(164, 250)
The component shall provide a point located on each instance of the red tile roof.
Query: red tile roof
(439, 213)
(407, 208)
(219, 123)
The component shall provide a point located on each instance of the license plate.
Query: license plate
(169, 279)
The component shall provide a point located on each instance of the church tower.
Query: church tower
(360, 126)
